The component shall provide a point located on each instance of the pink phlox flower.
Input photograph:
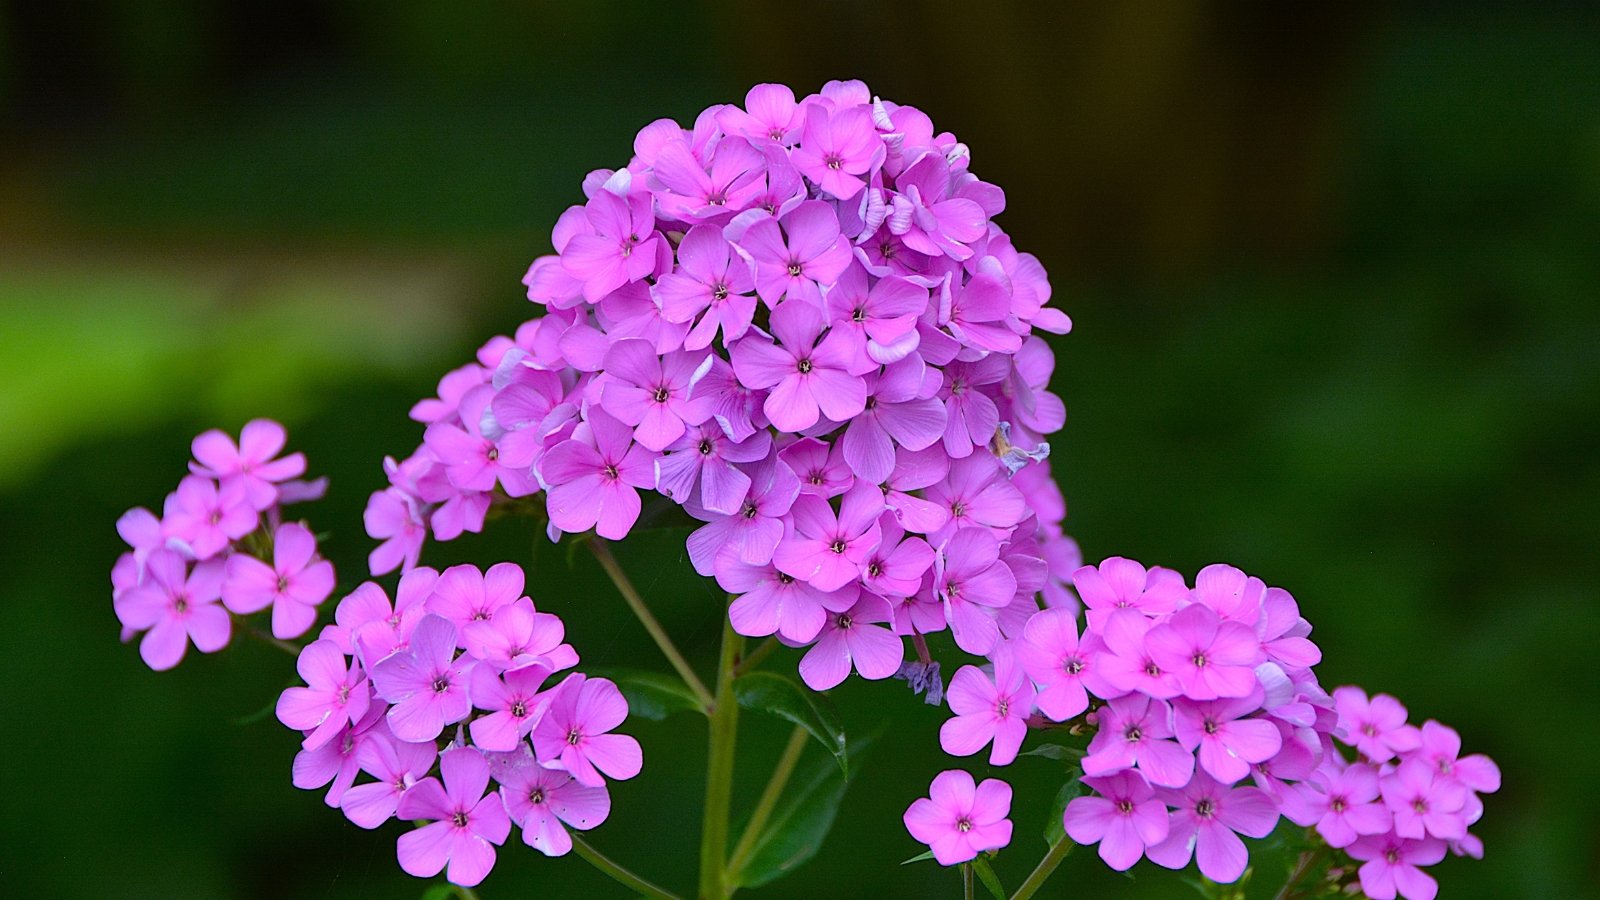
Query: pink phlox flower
(971, 580)
(396, 519)
(1032, 410)
(881, 322)
(621, 249)
(205, 519)
(915, 470)
(928, 218)
(1376, 728)
(713, 287)
(896, 567)
(1424, 803)
(988, 710)
(574, 733)
(651, 393)
(826, 550)
(513, 702)
(975, 314)
(337, 762)
(703, 464)
(1127, 663)
(375, 629)
(1206, 826)
(1347, 805)
(336, 694)
(774, 602)
(1119, 583)
(1228, 744)
(453, 385)
(1440, 747)
(1134, 730)
(734, 406)
(900, 409)
(545, 802)
(976, 493)
(464, 594)
(1283, 633)
(1230, 593)
(1209, 657)
(470, 457)
(1124, 818)
(250, 462)
(853, 638)
(922, 612)
(516, 635)
(794, 261)
(972, 415)
(751, 534)
(397, 765)
(770, 113)
(807, 374)
(466, 822)
(838, 147)
(175, 605)
(959, 819)
(426, 683)
(711, 191)
(595, 485)
(821, 467)
(1393, 866)
(1065, 667)
(294, 585)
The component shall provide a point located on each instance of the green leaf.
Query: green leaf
(918, 858)
(798, 826)
(1052, 751)
(652, 695)
(989, 878)
(782, 696)
(439, 892)
(1053, 831)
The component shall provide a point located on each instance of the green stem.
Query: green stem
(968, 888)
(1305, 866)
(285, 646)
(719, 771)
(465, 893)
(608, 562)
(618, 873)
(769, 800)
(1058, 852)
(754, 658)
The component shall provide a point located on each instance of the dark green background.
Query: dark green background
(1333, 276)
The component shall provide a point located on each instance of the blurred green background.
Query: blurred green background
(1333, 270)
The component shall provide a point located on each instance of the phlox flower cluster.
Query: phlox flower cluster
(1208, 723)
(798, 320)
(221, 549)
(458, 675)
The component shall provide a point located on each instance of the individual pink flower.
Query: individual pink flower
(971, 579)
(1128, 664)
(465, 594)
(397, 765)
(337, 762)
(973, 416)
(1347, 806)
(545, 802)
(336, 694)
(1424, 803)
(250, 462)
(927, 218)
(205, 518)
(1393, 866)
(881, 321)
(1210, 658)
(975, 313)
(1376, 728)
(703, 464)
(575, 732)
(795, 261)
(770, 113)
(828, 551)
(466, 823)
(853, 638)
(595, 485)
(988, 710)
(1228, 744)
(1133, 730)
(620, 249)
(837, 147)
(651, 393)
(427, 684)
(898, 410)
(713, 287)
(175, 606)
(1063, 666)
(1119, 583)
(395, 519)
(1124, 819)
(729, 181)
(1440, 747)
(516, 635)
(821, 468)
(751, 534)
(1206, 826)
(294, 585)
(896, 567)
(959, 819)
(774, 602)
(808, 379)
(513, 703)
(975, 492)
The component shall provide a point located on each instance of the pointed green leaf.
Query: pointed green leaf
(989, 878)
(652, 695)
(1052, 751)
(798, 826)
(1053, 830)
(918, 858)
(782, 696)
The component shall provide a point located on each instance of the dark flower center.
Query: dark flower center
(837, 546)
(611, 471)
(519, 709)
(536, 797)
(843, 621)
(705, 448)
(963, 824)
(440, 684)
(833, 161)
(1074, 666)
(661, 394)
(749, 510)
(1205, 809)
(460, 818)
(785, 578)
(860, 315)
(794, 270)
(720, 292)
(1133, 734)
(1125, 806)
(1199, 660)
(1211, 727)
(804, 366)
(574, 736)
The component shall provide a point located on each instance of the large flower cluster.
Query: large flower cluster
(221, 546)
(387, 681)
(797, 320)
(1191, 691)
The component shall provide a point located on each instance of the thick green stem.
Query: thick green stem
(1036, 878)
(719, 771)
(622, 876)
(769, 800)
(608, 562)
(968, 888)
(754, 657)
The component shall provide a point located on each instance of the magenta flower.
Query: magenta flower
(1119, 583)
(294, 585)
(853, 639)
(595, 485)
(829, 551)
(394, 518)
(465, 595)
(1210, 658)
(712, 287)
(837, 147)
(1133, 730)
(928, 218)
(976, 493)
(973, 416)
(397, 765)
(1128, 664)
(732, 178)
(621, 249)
(1440, 747)
(1124, 819)
(1228, 743)
(958, 820)
(466, 822)
(1063, 666)
(896, 567)
(881, 322)
(207, 519)
(774, 602)
(807, 379)
(471, 460)
(988, 710)
(1206, 826)
(516, 636)
(899, 409)
(821, 468)
(1376, 728)
(1347, 807)
(971, 579)
(797, 260)
(1394, 864)
(976, 314)
(513, 702)
(735, 407)
(651, 392)
(250, 463)
(175, 606)
(574, 732)
(337, 762)
(1424, 803)
(545, 802)
(335, 694)
(701, 467)
(770, 113)
(750, 535)
(427, 684)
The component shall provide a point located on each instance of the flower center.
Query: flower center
(958, 509)
(719, 292)
(963, 824)
(794, 269)
(804, 366)
(837, 546)
(1074, 666)
(1199, 660)
(519, 709)
(283, 583)
(574, 736)
(493, 454)
(1211, 727)
(833, 161)
(1420, 806)
(1205, 809)
(536, 797)
(705, 448)
(1337, 804)
(874, 569)
(440, 684)
(860, 315)
(1133, 734)
(1391, 856)
(1153, 670)
(661, 394)
(843, 621)
(1125, 806)
(1003, 708)
(611, 472)
(785, 578)
(749, 510)
(460, 818)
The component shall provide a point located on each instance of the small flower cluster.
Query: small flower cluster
(798, 321)
(465, 648)
(220, 546)
(1189, 691)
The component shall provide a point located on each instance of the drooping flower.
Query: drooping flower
(335, 695)
(959, 819)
